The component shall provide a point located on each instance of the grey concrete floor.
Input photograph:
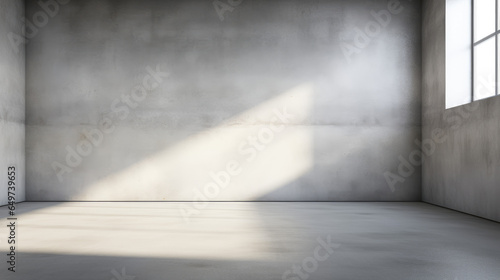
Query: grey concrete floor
(149, 240)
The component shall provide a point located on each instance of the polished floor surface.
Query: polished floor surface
(229, 240)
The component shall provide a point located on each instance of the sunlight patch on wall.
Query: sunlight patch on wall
(249, 155)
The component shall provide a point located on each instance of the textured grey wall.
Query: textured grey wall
(11, 96)
(264, 100)
(463, 172)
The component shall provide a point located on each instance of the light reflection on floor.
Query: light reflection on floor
(245, 240)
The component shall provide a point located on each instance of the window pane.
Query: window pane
(458, 52)
(484, 69)
(484, 18)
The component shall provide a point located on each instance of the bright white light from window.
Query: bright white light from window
(484, 69)
(458, 52)
(498, 13)
(484, 18)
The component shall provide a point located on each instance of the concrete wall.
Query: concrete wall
(12, 91)
(264, 100)
(463, 173)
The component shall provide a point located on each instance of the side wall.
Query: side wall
(463, 172)
(263, 100)
(12, 92)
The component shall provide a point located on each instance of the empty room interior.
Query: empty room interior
(249, 139)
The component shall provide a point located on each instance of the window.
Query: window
(472, 50)
(485, 45)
